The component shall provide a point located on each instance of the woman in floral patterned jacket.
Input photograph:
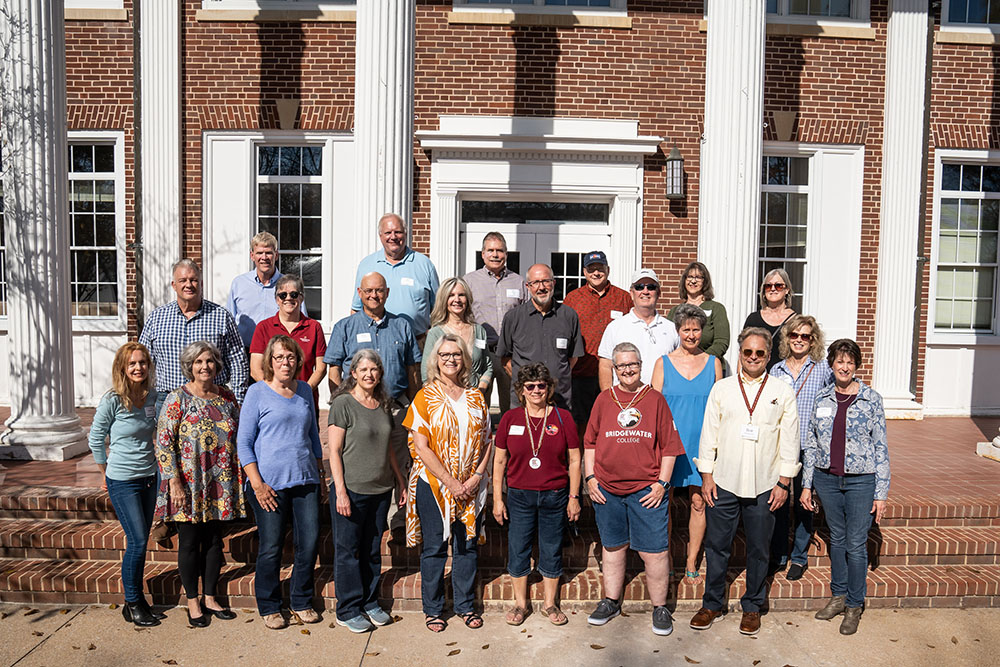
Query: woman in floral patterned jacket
(846, 459)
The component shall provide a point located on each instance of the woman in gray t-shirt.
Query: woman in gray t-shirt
(363, 470)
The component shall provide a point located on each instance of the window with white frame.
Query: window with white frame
(784, 220)
(547, 5)
(813, 10)
(966, 239)
(971, 12)
(318, 5)
(94, 4)
(290, 205)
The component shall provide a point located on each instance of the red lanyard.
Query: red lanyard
(751, 408)
(806, 378)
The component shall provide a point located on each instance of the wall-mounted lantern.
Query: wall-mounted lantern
(675, 174)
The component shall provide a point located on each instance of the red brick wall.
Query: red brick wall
(101, 51)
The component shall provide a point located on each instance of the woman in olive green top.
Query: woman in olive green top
(696, 289)
(453, 314)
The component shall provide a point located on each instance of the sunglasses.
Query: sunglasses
(805, 337)
(774, 287)
(288, 295)
(642, 287)
(535, 386)
(753, 354)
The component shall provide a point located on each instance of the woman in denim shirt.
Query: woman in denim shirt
(846, 459)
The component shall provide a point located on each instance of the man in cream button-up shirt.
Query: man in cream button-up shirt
(748, 454)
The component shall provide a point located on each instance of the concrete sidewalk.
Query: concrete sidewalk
(91, 635)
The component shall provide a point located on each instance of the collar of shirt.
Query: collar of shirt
(273, 282)
(534, 310)
(371, 321)
(596, 294)
(782, 367)
(749, 380)
(657, 319)
(384, 259)
(177, 310)
(503, 274)
(277, 323)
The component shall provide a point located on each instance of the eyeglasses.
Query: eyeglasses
(289, 295)
(645, 287)
(539, 283)
(285, 359)
(694, 279)
(450, 355)
(774, 287)
(368, 291)
(806, 337)
(753, 354)
(535, 386)
(630, 366)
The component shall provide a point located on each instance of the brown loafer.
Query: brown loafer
(704, 619)
(750, 625)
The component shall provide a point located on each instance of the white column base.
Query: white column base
(44, 442)
(901, 408)
(989, 450)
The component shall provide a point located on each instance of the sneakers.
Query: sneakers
(834, 607)
(378, 616)
(852, 616)
(606, 610)
(663, 624)
(704, 619)
(358, 624)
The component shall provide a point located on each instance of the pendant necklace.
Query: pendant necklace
(534, 462)
(627, 415)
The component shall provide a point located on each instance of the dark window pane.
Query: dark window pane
(991, 175)
(798, 171)
(312, 161)
(267, 160)
(521, 212)
(777, 208)
(988, 213)
(970, 177)
(977, 11)
(799, 6)
(957, 10)
(840, 8)
(772, 6)
(291, 161)
(774, 244)
(104, 159)
(314, 302)
(83, 196)
(951, 175)
(557, 263)
(969, 214)
(105, 225)
(289, 193)
(107, 267)
(288, 239)
(312, 199)
(988, 248)
(267, 199)
(269, 225)
(949, 214)
(82, 160)
(995, 12)
(777, 171)
(86, 265)
(104, 196)
(83, 229)
(107, 293)
(86, 293)
(312, 232)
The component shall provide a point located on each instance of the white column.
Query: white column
(43, 422)
(902, 199)
(160, 146)
(383, 113)
(626, 235)
(444, 240)
(729, 201)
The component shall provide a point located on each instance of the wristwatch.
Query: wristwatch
(665, 485)
(783, 486)
(587, 479)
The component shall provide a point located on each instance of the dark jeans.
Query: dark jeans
(300, 505)
(357, 544)
(199, 553)
(464, 558)
(847, 505)
(723, 520)
(134, 501)
(543, 512)
(803, 528)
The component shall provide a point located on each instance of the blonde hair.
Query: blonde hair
(439, 315)
(265, 239)
(432, 367)
(121, 385)
(289, 344)
(781, 273)
(816, 347)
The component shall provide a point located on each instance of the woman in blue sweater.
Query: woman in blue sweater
(279, 448)
(127, 415)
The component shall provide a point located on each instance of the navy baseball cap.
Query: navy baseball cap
(595, 257)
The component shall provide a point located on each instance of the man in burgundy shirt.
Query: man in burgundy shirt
(597, 303)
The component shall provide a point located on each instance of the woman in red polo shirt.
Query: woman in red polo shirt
(539, 448)
(289, 321)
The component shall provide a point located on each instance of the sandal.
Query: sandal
(435, 624)
(694, 575)
(517, 615)
(472, 620)
(555, 615)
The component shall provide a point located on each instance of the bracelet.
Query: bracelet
(783, 486)
(588, 478)
(572, 496)
(477, 473)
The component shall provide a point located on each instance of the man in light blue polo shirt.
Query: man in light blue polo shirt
(410, 276)
(251, 296)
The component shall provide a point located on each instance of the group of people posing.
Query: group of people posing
(229, 421)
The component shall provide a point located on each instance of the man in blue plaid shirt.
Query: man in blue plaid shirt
(172, 327)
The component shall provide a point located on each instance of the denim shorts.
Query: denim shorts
(541, 513)
(622, 520)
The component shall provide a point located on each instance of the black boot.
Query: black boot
(139, 613)
(155, 614)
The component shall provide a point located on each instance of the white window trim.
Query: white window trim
(793, 151)
(617, 8)
(944, 337)
(95, 4)
(279, 5)
(860, 15)
(973, 28)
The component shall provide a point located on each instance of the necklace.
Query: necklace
(628, 416)
(534, 462)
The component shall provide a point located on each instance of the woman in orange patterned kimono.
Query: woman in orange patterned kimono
(449, 426)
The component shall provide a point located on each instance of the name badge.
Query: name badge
(562, 343)
(406, 282)
(825, 411)
(513, 294)
(516, 429)
(708, 313)
(364, 338)
(750, 432)
(480, 343)
(150, 410)
(615, 314)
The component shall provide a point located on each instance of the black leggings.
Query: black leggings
(199, 552)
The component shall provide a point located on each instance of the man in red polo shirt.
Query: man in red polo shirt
(596, 303)
(307, 332)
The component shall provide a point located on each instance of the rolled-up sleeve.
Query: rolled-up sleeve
(709, 444)
(788, 436)
(335, 348)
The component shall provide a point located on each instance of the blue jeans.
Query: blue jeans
(623, 520)
(543, 512)
(134, 501)
(357, 545)
(464, 558)
(300, 504)
(723, 520)
(803, 528)
(847, 505)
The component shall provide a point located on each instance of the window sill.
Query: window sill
(96, 14)
(941, 339)
(983, 35)
(825, 30)
(525, 18)
(278, 15)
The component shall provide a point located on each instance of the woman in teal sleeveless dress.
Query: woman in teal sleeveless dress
(685, 377)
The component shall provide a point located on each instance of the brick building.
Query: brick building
(853, 142)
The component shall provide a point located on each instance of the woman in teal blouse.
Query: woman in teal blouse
(127, 417)
(696, 289)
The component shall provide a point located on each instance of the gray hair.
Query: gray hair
(495, 236)
(290, 278)
(622, 348)
(187, 264)
(386, 216)
(686, 312)
(760, 332)
(195, 350)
